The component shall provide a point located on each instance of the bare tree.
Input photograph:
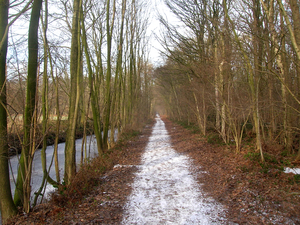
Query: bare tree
(7, 206)
(70, 162)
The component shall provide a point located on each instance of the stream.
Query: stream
(37, 170)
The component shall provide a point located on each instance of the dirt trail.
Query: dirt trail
(164, 189)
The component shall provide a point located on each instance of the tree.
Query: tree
(253, 60)
(116, 104)
(70, 162)
(109, 32)
(7, 206)
(45, 110)
(23, 188)
(93, 92)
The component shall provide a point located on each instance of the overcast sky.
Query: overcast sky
(155, 29)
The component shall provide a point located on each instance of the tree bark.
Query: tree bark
(294, 4)
(95, 111)
(23, 188)
(45, 109)
(109, 30)
(117, 83)
(7, 206)
(70, 160)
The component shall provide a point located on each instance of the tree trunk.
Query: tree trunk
(256, 74)
(7, 206)
(117, 84)
(57, 126)
(294, 4)
(45, 113)
(23, 188)
(70, 160)
(109, 29)
(95, 111)
(269, 66)
(286, 111)
(217, 90)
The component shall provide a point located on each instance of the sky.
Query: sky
(155, 29)
(19, 32)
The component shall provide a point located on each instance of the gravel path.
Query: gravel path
(164, 189)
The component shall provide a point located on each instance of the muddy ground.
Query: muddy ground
(251, 193)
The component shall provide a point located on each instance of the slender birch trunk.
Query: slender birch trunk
(56, 80)
(45, 113)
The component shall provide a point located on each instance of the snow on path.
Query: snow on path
(164, 189)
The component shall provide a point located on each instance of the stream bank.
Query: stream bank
(15, 138)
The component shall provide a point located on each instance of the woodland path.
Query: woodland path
(171, 175)
(164, 189)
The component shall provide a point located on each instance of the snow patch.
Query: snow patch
(123, 166)
(292, 170)
(165, 191)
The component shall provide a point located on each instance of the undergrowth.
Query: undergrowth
(274, 154)
(271, 162)
(85, 180)
(215, 139)
(189, 126)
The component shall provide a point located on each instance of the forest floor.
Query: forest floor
(249, 192)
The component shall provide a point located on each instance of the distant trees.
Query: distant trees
(235, 67)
